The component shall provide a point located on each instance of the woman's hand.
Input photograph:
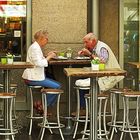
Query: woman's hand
(51, 54)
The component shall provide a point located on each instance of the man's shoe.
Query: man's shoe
(81, 113)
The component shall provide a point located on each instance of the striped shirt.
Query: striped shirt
(104, 55)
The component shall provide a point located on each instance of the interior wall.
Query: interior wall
(109, 23)
(65, 20)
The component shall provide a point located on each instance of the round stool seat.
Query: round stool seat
(51, 91)
(131, 94)
(4, 95)
(120, 90)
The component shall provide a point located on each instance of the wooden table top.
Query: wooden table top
(134, 64)
(87, 72)
(16, 65)
(69, 61)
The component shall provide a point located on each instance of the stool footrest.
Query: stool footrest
(51, 125)
(132, 129)
(117, 124)
(15, 131)
(35, 117)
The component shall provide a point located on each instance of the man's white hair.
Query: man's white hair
(90, 36)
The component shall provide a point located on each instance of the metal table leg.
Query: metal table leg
(93, 109)
(6, 83)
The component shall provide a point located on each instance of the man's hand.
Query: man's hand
(84, 52)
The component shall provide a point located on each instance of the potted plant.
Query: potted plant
(10, 58)
(97, 64)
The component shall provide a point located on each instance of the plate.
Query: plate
(61, 58)
(82, 57)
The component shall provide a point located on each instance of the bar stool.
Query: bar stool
(86, 119)
(114, 123)
(32, 115)
(8, 129)
(79, 118)
(102, 131)
(128, 127)
(46, 123)
(13, 89)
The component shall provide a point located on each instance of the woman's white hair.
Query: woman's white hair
(40, 34)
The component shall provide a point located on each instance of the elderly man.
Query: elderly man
(95, 48)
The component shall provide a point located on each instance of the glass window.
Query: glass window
(131, 41)
(13, 27)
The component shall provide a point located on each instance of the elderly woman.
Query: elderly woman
(36, 76)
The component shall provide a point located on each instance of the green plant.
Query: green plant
(9, 55)
(95, 60)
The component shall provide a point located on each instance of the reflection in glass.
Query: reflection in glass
(131, 41)
(13, 27)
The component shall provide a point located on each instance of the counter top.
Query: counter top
(87, 72)
(16, 65)
(134, 64)
(69, 61)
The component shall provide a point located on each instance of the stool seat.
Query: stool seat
(7, 95)
(120, 90)
(131, 94)
(51, 91)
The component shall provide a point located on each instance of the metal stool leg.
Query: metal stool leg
(58, 116)
(102, 132)
(137, 115)
(11, 122)
(104, 119)
(87, 100)
(77, 112)
(126, 124)
(78, 118)
(31, 111)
